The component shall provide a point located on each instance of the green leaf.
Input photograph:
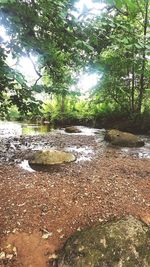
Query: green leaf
(125, 40)
(118, 3)
(7, 1)
(139, 45)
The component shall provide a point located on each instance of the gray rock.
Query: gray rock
(50, 157)
(124, 243)
(123, 139)
(72, 129)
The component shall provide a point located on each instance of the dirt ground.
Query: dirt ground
(40, 210)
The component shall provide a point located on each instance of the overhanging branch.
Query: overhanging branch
(37, 72)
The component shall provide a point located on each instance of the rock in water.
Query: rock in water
(51, 157)
(124, 243)
(72, 129)
(119, 138)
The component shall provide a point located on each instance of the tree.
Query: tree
(124, 61)
(115, 42)
(49, 30)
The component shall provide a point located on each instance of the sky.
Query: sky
(3, 34)
(87, 81)
(90, 5)
(25, 66)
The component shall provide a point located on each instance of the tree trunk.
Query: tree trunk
(62, 103)
(133, 89)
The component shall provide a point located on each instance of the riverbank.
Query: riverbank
(136, 124)
(39, 210)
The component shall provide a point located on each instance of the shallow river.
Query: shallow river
(16, 129)
(8, 129)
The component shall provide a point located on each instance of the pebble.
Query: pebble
(2, 255)
(9, 256)
(62, 236)
(14, 231)
(59, 230)
(46, 234)
(8, 253)
(53, 256)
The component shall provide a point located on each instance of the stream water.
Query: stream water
(139, 152)
(12, 132)
(8, 129)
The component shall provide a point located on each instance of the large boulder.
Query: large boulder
(50, 157)
(72, 129)
(124, 243)
(118, 138)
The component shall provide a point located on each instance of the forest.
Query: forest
(111, 39)
(74, 133)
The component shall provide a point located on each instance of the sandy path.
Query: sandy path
(67, 198)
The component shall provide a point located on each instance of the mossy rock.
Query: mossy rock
(51, 157)
(72, 129)
(118, 138)
(124, 243)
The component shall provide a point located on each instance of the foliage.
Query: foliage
(125, 61)
(115, 42)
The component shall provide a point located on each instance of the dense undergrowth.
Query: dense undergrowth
(99, 116)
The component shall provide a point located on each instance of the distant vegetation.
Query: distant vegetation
(115, 42)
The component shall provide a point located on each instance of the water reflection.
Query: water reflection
(8, 129)
(34, 129)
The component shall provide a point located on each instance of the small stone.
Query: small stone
(14, 230)
(44, 209)
(2, 255)
(53, 256)
(46, 234)
(62, 236)
(10, 250)
(9, 256)
(59, 230)
(15, 251)
(81, 248)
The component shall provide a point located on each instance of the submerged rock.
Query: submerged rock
(72, 129)
(50, 157)
(116, 137)
(124, 243)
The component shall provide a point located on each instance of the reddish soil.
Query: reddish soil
(67, 198)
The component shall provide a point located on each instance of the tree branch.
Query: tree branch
(37, 72)
(88, 12)
(109, 8)
(140, 8)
